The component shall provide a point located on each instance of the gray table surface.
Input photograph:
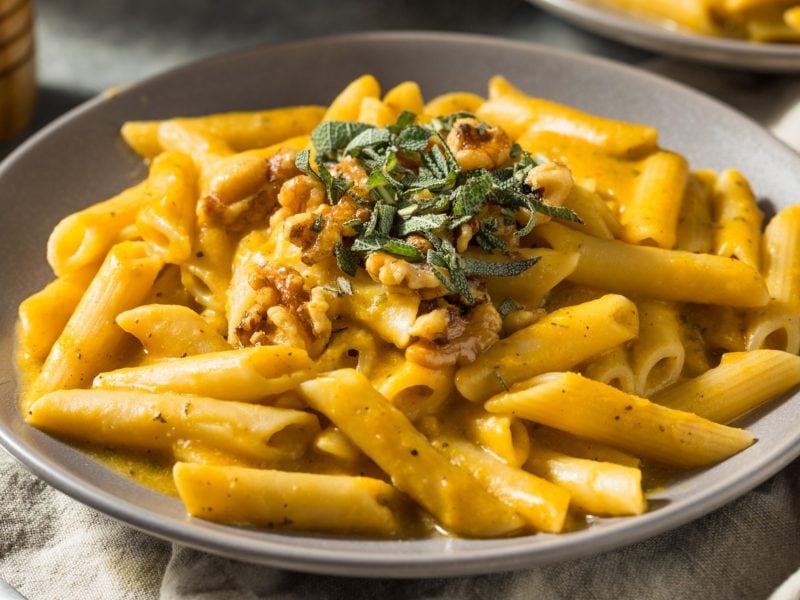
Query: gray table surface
(87, 46)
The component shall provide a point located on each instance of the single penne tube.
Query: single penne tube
(516, 112)
(657, 354)
(542, 504)
(297, 142)
(737, 219)
(454, 102)
(347, 104)
(374, 112)
(598, 219)
(741, 382)
(416, 390)
(240, 130)
(405, 96)
(543, 437)
(204, 147)
(781, 252)
(650, 216)
(384, 434)
(293, 501)
(85, 237)
(558, 341)
(207, 273)
(656, 272)
(166, 222)
(43, 315)
(774, 327)
(503, 435)
(529, 291)
(155, 422)
(204, 454)
(91, 341)
(171, 331)
(613, 368)
(594, 487)
(598, 412)
(244, 375)
(333, 442)
(352, 348)
(694, 229)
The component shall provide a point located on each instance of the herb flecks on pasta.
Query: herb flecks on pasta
(373, 319)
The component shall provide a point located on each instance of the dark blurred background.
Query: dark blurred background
(88, 46)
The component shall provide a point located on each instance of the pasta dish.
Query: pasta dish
(776, 21)
(389, 317)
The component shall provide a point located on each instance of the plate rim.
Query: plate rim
(768, 57)
(267, 551)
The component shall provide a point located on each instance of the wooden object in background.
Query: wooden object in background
(17, 66)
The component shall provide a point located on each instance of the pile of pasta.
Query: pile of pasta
(207, 316)
(774, 21)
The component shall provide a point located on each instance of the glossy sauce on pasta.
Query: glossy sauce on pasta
(482, 324)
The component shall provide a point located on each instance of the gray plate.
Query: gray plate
(81, 159)
(730, 53)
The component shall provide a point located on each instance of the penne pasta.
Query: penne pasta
(387, 317)
(91, 339)
(84, 238)
(245, 375)
(657, 354)
(650, 216)
(406, 97)
(694, 227)
(781, 254)
(43, 316)
(741, 382)
(613, 368)
(657, 273)
(597, 412)
(268, 498)
(346, 106)
(737, 219)
(542, 504)
(240, 130)
(166, 222)
(171, 331)
(155, 422)
(547, 438)
(562, 339)
(516, 112)
(355, 407)
(594, 487)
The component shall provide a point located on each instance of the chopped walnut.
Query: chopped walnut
(443, 324)
(465, 338)
(477, 145)
(275, 285)
(317, 233)
(388, 270)
(242, 190)
(555, 181)
(349, 168)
